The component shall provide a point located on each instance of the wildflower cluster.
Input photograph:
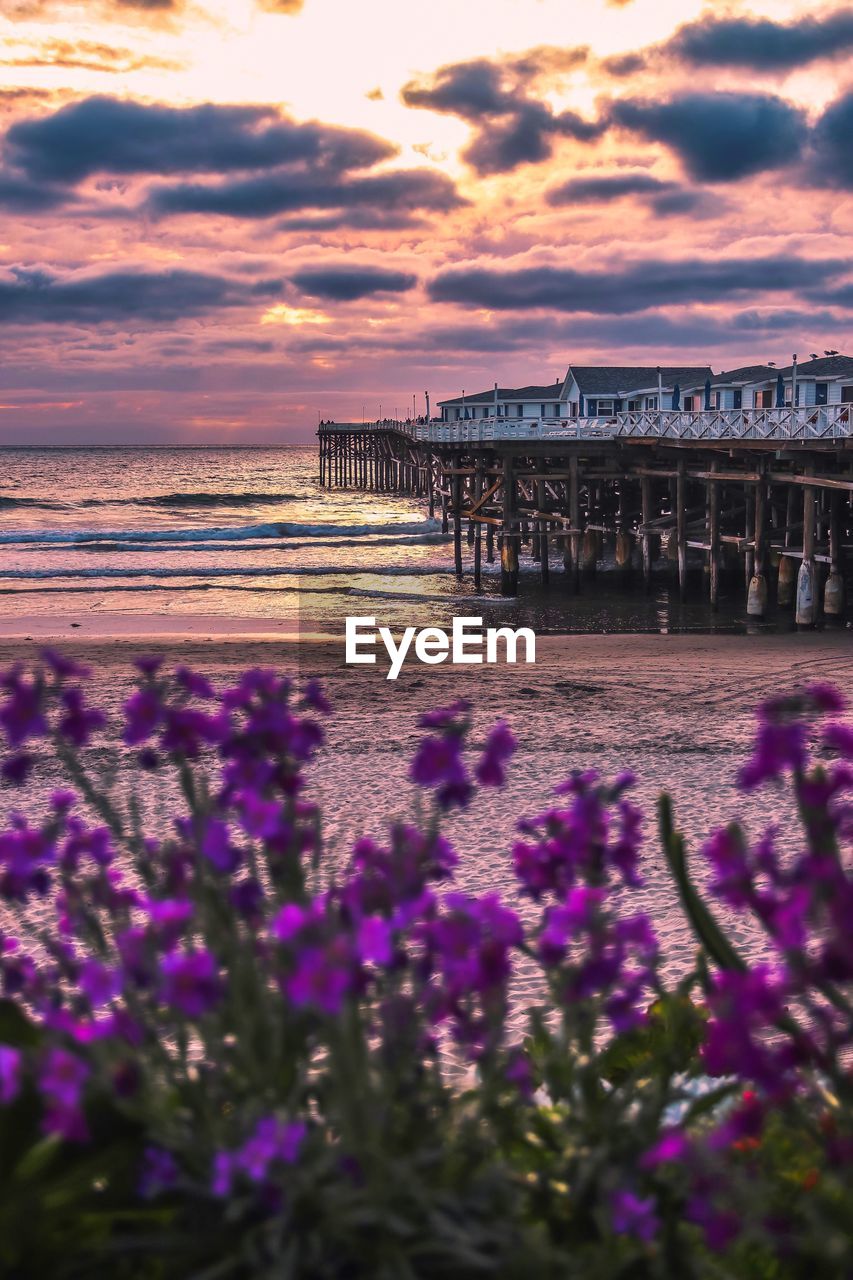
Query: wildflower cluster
(207, 1028)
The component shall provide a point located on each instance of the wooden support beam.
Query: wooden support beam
(645, 538)
(681, 526)
(714, 537)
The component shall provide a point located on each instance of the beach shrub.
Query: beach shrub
(221, 1059)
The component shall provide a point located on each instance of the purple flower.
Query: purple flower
(98, 983)
(17, 768)
(273, 1139)
(194, 683)
(78, 722)
(159, 1172)
(65, 668)
(217, 847)
(670, 1148)
(10, 1073)
(322, 977)
(21, 715)
(446, 717)
(191, 982)
(61, 1081)
(500, 747)
(143, 713)
(373, 940)
(632, 1215)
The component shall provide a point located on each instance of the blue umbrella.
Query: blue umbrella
(707, 393)
(780, 391)
(676, 396)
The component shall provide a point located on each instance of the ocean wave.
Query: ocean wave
(196, 499)
(236, 533)
(220, 571)
(156, 548)
(11, 504)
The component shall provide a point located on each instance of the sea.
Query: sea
(250, 533)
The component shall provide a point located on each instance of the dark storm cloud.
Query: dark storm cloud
(832, 159)
(621, 291)
(720, 137)
(18, 194)
(40, 297)
(343, 283)
(510, 126)
(269, 194)
(762, 43)
(662, 196)
(108, 135)
(590, 190)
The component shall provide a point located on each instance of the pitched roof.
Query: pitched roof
(824, 367)
(615, 380)
(549, 392)
(747, 373)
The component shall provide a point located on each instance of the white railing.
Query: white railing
(818, 422)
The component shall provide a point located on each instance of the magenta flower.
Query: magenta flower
(143, 713)
(159, 1172)
(217, 847)
(373, 940)
(633, 1215)
(191, 982)
(500, 747)
(78, 722)
(22, 715)
(322, 977)
(61, 1081)
(10, 1073)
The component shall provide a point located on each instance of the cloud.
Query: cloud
(35, 296)
(154, 11)
(19, 194)
(109, 135)
(84, 55)
(344, 283)
(720, 137)
(832, 160)
(762, 43)
(621, 291)
(289, 7)
(404, 190)
(510, 126)
(663, 196)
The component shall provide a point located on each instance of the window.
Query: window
(519, 410)
(541, 411)
(821, 392)
(737, 398)
(556, 411)
(717, 396)
(765, 399)
(591, 408)
(604, 407)
(688, 403)
(575, 408)
(651, 402)
(847, 395)
(633, 406)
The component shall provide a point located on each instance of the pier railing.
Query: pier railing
(814, 423)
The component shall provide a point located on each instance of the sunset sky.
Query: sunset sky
(221, 218)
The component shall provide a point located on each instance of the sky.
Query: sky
(221, 220)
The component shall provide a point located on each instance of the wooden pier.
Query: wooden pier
(766, 494)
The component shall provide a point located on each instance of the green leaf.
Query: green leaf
(706, 928)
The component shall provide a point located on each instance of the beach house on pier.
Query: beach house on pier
(506, 402)
(823, 380)
(598, 391)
